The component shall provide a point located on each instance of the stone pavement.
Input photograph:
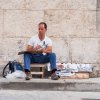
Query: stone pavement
(91, 84)
(47, 95)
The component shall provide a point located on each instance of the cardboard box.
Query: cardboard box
(79, 75)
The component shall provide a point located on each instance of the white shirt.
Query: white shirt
(34, 41)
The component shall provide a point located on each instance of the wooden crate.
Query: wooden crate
(40, 67)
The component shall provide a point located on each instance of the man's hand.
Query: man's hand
(47, 50)
(38, 47)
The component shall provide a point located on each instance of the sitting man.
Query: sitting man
(42, 45)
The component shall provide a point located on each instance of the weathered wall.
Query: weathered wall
(73, 25)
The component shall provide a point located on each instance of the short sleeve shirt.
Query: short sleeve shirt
(34, 41)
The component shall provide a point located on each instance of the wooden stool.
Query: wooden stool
(41, 69)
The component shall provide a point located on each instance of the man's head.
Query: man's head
(42, 27)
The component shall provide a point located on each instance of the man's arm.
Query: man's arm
(31, 49)
(47, 50)
(36, 49)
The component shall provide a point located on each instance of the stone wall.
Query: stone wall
(73, 25)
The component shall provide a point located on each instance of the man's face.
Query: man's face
(41, 29)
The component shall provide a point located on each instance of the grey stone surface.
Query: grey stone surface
(92, 84)
(1, 23)
(21, 23)
(72, 23)
(47, 95)
(98, 21)
(82, 50)
(12, 4)
(61, 4)
(98, 5)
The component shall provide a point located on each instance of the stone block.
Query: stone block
(96, 71)
(85, 50)
(61, 4)
(1, 70)
(98, 22)
(71, 23)
(1, 23)
(60, 47)
(1, 51)
(98, 5)
(21, 23)
(77, 4)
(12, 4)
(11, 47)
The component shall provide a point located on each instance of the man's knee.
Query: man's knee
(52, 56)
(26, 55)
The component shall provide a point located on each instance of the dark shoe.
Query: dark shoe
(28, 76)
(54, 76)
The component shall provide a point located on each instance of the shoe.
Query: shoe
(28, 76)
(54, 76)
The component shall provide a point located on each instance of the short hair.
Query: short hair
(45, 25)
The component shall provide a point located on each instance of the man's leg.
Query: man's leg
(51, 57)
(32, 58)
(52, 60)
(27, 62)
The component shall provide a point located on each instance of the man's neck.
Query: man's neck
(41, 37)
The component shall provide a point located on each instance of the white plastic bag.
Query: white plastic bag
(16, 74)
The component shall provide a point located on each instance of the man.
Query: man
(42, 45)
